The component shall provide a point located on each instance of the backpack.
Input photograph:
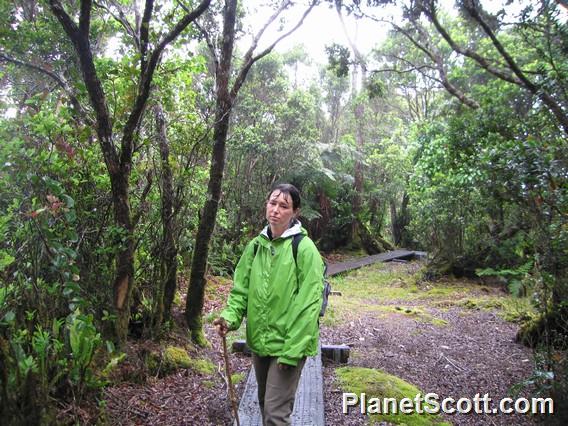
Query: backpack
(326, 285)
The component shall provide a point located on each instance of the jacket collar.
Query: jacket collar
(295, 228)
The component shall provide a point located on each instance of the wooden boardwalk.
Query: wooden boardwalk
(308, 408)
(337, 268)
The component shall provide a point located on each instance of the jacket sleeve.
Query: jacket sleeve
(303, 326)
(238, 298)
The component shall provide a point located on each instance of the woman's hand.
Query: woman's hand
(221, 326)
(284, 367)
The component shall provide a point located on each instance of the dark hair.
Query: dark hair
(289, 189)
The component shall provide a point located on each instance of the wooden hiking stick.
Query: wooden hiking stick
(230, 382)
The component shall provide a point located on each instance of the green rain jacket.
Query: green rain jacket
(281, 301)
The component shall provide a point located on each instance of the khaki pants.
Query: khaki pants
(276, 389)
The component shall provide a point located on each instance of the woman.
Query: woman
(281, 297)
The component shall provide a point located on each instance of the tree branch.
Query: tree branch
(143, 206)
(146, 79)
(145, 31)
(546, 98)
(512, 64)
(249, 60)
(438, 61)
(61, 82)
(430, 12)
(360, 59)
(205, 35)
(92, 82)
(210, 45)
(270, 20)
(85, 17)
(64, 19)
(122, 20)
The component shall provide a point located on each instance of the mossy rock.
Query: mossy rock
(376, 383)
(482, 303)
(511, 309)
(420, 315)
(175, 357)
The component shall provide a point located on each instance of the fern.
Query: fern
(517, 281)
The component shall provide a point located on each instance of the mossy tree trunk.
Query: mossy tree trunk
(373, 244)
(168, 251)
(400, 220)
(196, 290)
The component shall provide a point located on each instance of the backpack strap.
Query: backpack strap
(295, 243)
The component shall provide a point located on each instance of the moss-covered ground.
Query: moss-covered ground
(378, 385)
(380, 288)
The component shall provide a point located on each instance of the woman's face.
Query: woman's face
(279, 209)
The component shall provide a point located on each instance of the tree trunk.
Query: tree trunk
(373, 244)
(122, 287)
(359, 113)
(196, 290)
(195, 295)
(168, 252)
(358, 174)
(400, 220)
(225, 99)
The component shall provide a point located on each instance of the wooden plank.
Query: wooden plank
(336, 353)
(337, 268)
(308, 406)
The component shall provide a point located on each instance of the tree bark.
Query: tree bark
(358, 173)
(400, 220)
(359, 114)
(169, 251)
(195, 295)
(373, 244)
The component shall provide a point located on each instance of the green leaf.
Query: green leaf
(9, 317)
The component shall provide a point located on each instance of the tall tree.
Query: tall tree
(119, 161)
(225, 94)
(168, 247)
